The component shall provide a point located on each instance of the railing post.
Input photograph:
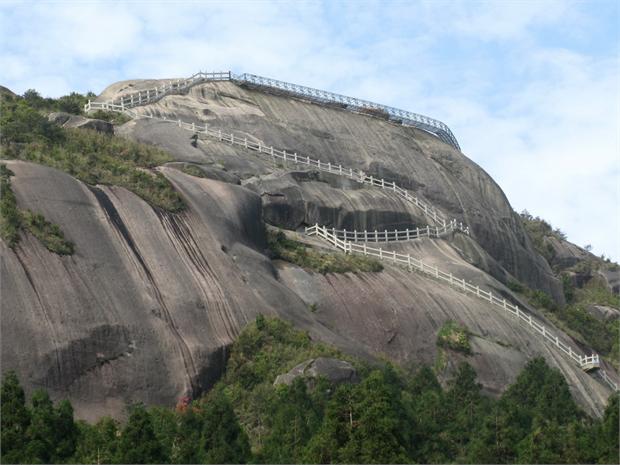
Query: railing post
(386, 236)
(365, 251)
(376, 236)
(355, 235)
(428, 231)
(407, 233)
(365, 235)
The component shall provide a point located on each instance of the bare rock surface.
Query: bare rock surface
(145, 308)
(334, 370)
(412, 158)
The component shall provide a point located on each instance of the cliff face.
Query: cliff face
(145, 308)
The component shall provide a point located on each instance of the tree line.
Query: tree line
(390, 416)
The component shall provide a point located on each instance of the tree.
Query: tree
(138, 443)
(66, 432)
(14, 418)
(607, 433)
(97, 443)
(295, 420)
(41, 432)
(222, 438)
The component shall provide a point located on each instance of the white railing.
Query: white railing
(277, 154)
(396, 235)
(406, 118)
(608, 380)
(142, 97)
(586, 362)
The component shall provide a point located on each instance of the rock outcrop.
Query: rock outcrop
(68, 120)
(332, 369)
(147, 306)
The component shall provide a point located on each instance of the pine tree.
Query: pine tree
(15, 419)
(97, 443)
(65, 432)
(294, 422)
(608, 434)
(41, 432)
(223, 439)
(138, 443)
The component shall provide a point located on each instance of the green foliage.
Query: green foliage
(538, 229)
(540, 299)
(453, 336)
(9, 213)
(389, 417)
(14, 420)
(297, 253)
(49, 234)
(223, 440)
(113, 117)
(85, 154)
(138, 443)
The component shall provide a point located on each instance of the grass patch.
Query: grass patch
(454, 336)
(321, 262)
(12, 219)
(48, 233)
(89, 156)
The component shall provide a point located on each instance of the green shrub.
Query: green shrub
(540, 298)
(298, 254)
(515, 286)
(453, 336)
(113, 117)
(49, 234)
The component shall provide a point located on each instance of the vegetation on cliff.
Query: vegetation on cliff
(299, 254)
(12, 219)
(454, 336)
(85, 154)
(389, 417)
(584, 287)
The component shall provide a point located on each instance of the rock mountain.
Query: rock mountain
(147, 306)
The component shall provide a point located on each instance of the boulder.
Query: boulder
(334, 370)
(68, 120)
(604, 312)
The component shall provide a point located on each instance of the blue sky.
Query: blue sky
(530, 88)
